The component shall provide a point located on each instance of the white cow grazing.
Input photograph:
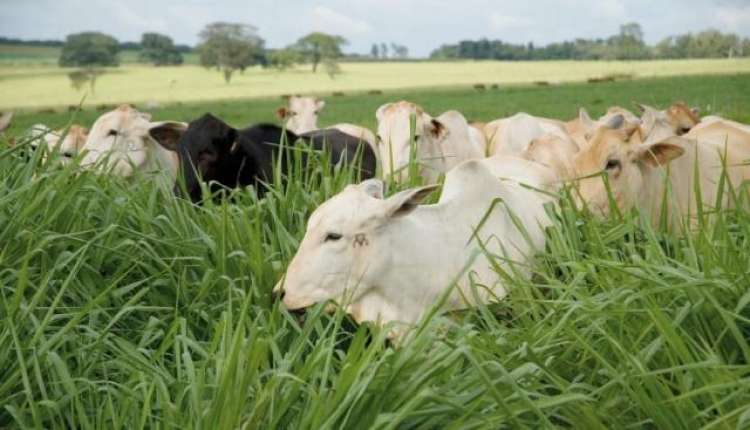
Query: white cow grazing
(512, 135)
(68, 142)
(125, 141)
(636, 171)
(301, 116)
(390, 260)
(441, 143)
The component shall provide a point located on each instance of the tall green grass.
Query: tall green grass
(124, 307)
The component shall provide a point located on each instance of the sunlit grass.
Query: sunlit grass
(27, 87)
(124, 307)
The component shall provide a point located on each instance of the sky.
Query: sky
(421, 25)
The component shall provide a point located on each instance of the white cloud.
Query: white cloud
(330, 21)
(733, 18)
(500, 21)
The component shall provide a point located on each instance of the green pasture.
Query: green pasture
(123, 307)
(34, 87)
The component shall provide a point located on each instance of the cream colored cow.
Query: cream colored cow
(440, 143)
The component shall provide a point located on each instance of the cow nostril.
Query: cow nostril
(278, 294)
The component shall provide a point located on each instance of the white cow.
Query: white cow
(391, 259)
(636, 172)
(440, 143)
(301, 116)
(125, 141)
(512, 135)
(67, 142)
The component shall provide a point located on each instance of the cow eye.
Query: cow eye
(612, 164)
(332, 237)
(112, 133)
(67, 154)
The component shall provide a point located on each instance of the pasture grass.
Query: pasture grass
(724, 95)
(38, 87)
(124, 307)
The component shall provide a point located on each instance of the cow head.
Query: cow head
(124, 141)
(345, 251)
(203, 148)
(301, 114)
(553, 151)
(682, 118)
(612, 157)
(68, 144)
(395, 144)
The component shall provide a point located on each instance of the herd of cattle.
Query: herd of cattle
(390, 259)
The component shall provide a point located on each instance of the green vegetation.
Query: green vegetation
(159, 50)
(124, 307)
(628, 44)
(230, 47)
(90, 49)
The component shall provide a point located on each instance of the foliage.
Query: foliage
(318, 47)
(124, 307)
(89, 49)
(159, 50)
(282, 59)
(229, 47)
(628, 44)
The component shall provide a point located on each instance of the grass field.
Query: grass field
(124, 307)
(34, 86)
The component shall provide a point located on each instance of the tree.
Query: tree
(283, 59)
(89, 49)
(383, 51)
(316, 47)
(375, 51)
(229, 47)
(399, 51)
(159, 50)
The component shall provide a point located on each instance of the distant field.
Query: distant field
(727, 95)
(36, 87)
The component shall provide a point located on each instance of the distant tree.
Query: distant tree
(317, 47)
(332, 68)
(90, 49)
(399, 51)
(383, 51)
(159, 50)
(375, 51)
(628, 44)
(229, 47)
(283, 59)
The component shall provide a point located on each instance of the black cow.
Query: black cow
(213, 151)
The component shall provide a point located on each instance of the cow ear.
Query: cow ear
(5, 121)
(406, 201)
(615, 122)
(695, 111)
(585, 119)
(167, 133)
(373, 187)
(661, 153)
(282, 113)
(437, 129)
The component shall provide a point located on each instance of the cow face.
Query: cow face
(121, 142)
(682, 118)
(301, 114)
(610, 159)
(204, 149)
(346, 246)
(395, 141)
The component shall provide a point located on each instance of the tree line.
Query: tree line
(628, 44)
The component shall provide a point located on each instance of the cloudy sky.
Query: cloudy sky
(422, 25)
